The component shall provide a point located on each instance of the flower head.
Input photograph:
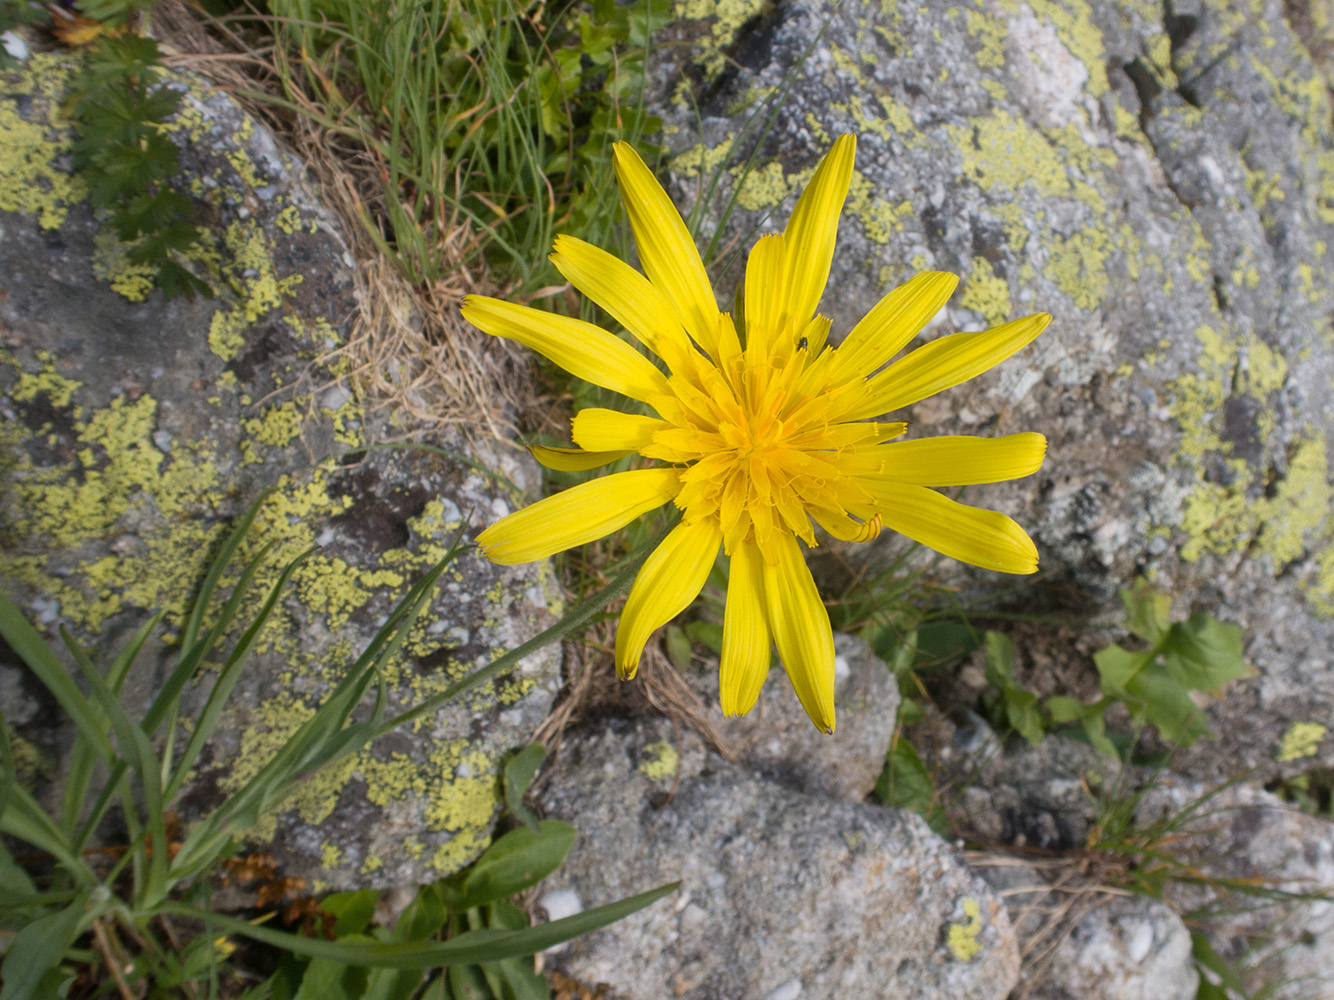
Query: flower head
(762, 429)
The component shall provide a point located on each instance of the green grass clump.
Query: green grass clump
(494, 118)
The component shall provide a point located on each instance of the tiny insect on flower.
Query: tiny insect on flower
(760, 432)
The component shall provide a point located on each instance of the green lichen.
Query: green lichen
(659, 762)
(962, 938)
(986, 293)
(1301, 740)
(30, 180)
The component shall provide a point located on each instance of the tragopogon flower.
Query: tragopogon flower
(761, 429)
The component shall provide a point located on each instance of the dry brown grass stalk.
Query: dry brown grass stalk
(408, 351)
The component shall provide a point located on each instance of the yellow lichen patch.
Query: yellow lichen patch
(57, 389)
(879, 218)
(277, 427)
(986, 293)
(728, 15)
(764, 187)
(331, 855)
(990, 34)
(962, 937)
(1301, 740)
(30, 181)
(112, 264)
(1301, 502)
(1078, 265)
(461, 790)
(659, 761)
(1073, 21)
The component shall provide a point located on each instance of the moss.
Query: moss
(30, 180)
(986, 293)
(962, 938)
(1302, 739)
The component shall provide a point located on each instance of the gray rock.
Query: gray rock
(782, 894)
(1162, 181)
(137, 429)
(1084, 942)
(778, 740)
(1266, 899)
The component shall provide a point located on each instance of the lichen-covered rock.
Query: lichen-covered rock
(1161, 179)
(777, 739)
(1083, 942)
(136, 430)
(783, 894)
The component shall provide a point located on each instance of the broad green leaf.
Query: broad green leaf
(1000, 659)
(467, 982)
(328, 980)
(520, 770)
(473, 948)
(1091, 717)
(906, 784)
(1205, 653)
(942, 643)
(1021, 709)
(519, 859)
(1148, 613)
(678, 648)
(1165, 703)
(1117, 667)
(352, 911)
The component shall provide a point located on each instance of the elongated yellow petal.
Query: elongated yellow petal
(895, 320)
(811, 230)
(766, 276)
(801, 630)
(944, 363)
(577, 515)
(582, 349)
(599, 429)
(666, 250)
(667, 582)
(574, 459)
(627, 296)
(962, 461)
(979, 537)
(745, 657)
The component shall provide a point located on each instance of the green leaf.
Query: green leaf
(678, 648)
(1091, 717)
(1205, 653)
(39, 947)
(474, 947)
(517, 860)
(943, 643)
(1000, 659)
(1165, 703)
(1148, 613)
(352, 911)
(520, 770)
(906, 784)
(1021, 709)
(1118, 667)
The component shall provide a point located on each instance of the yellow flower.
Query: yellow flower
(761, 429)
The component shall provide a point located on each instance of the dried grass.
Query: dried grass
(408, 351)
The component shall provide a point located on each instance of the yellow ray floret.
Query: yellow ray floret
(762, 429)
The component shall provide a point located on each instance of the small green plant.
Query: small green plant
(74, 906)
(120, 105)
(496, 119)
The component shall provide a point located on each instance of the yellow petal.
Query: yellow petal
(582, 349)
(745, 657)
(574, 459)
(801, 630)
(944, 363)
(979, 537)
(667, 582)
(962, 461)
(895, 320)
(811, 230)
(665, 248)
(765, 280)
(577, 515)
(599, 429)
(627, 296)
